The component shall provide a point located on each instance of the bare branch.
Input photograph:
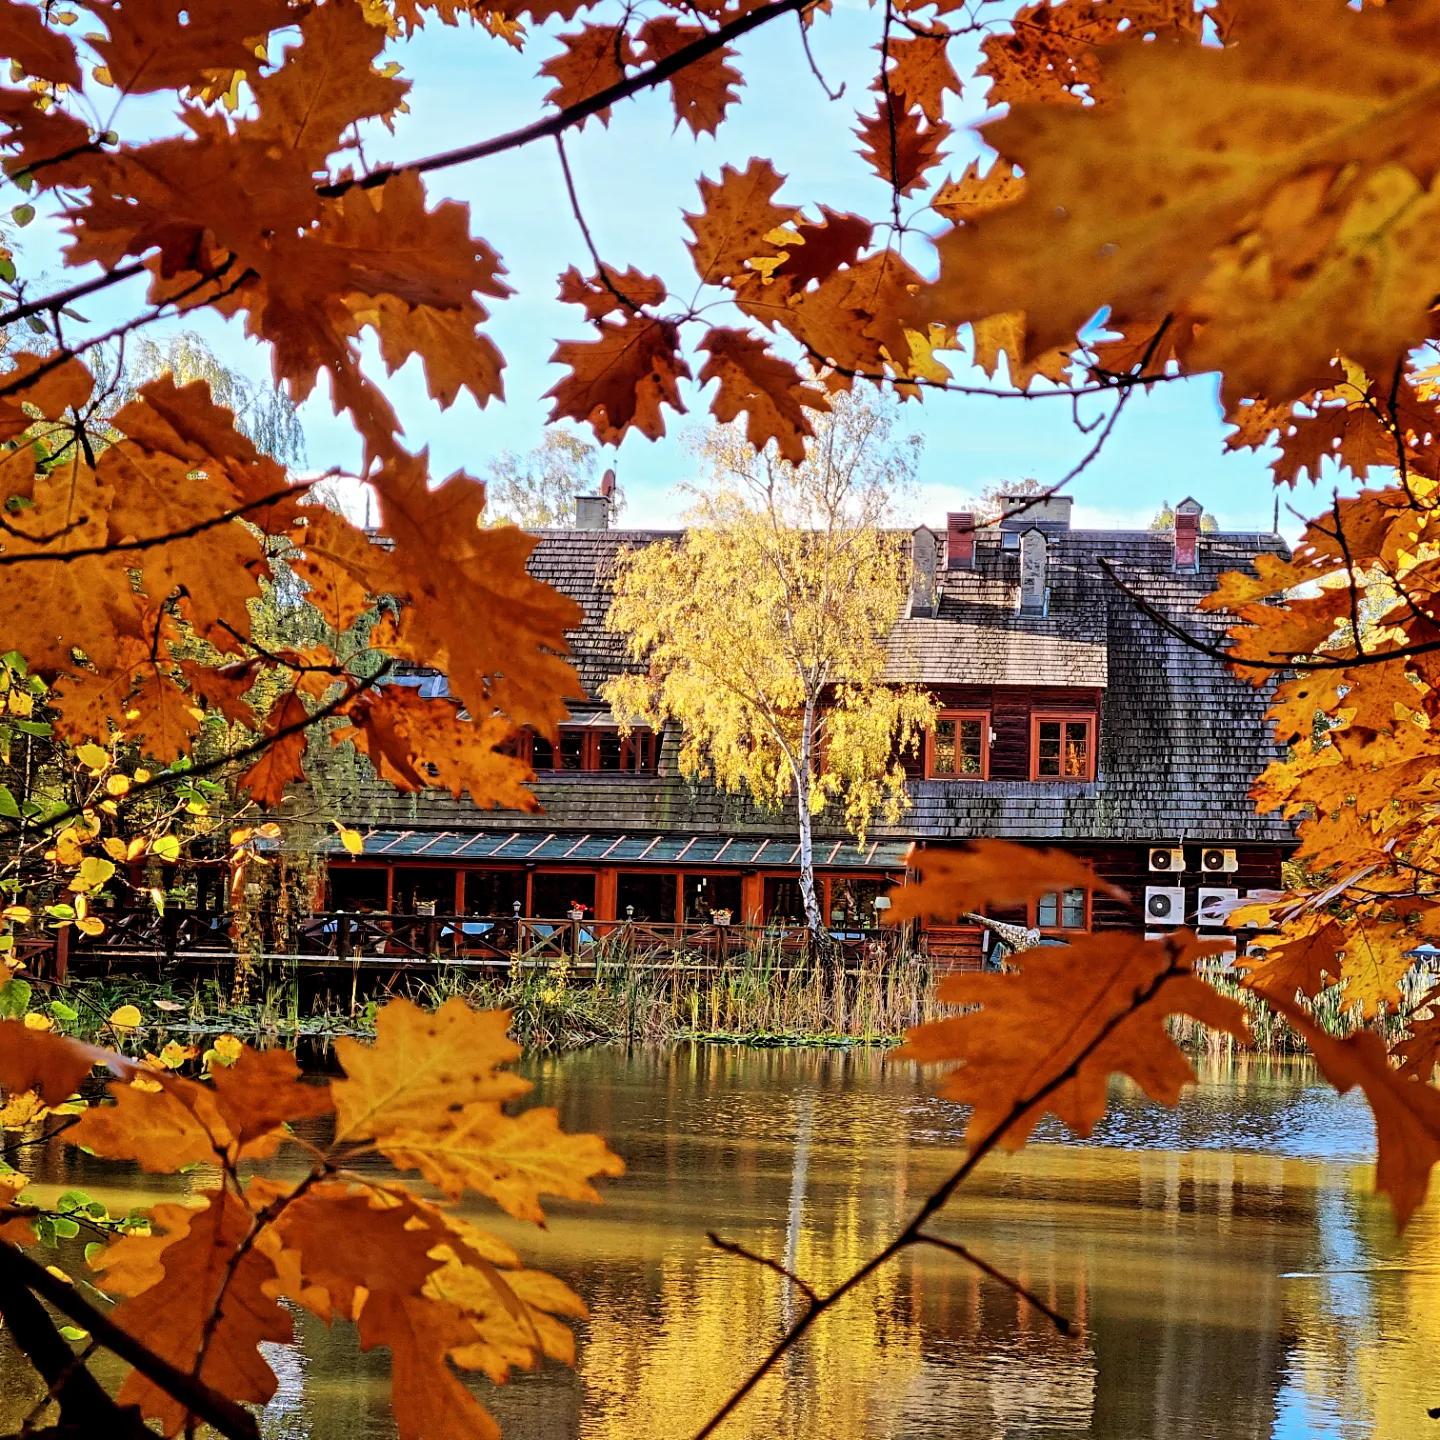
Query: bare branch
(731, 1247)
(1059, 1321)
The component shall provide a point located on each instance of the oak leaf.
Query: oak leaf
(620, 380)
(920, 71)
(514, 1159)
(757, 383)
(591, 59)
(899, 146)
(704, 89)
(737, 212)
(421, 1066)
(1406, 1109)
(611, 290)
(985, 874)
(38, 49)
(1048, 1036)
(814, 251)
(209, 1289)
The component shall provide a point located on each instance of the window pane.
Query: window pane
(943, 755)
(1048, 759)
(1047, 911)
(852, 903)
(553, 892)
(972, 748)
(493, 892)
(542, 753)
(782, 902)
(1073, 911)
(705, 894)
(572, 748)
(651, 895)
(609, 748)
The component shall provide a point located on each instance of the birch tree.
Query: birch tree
(761, 631)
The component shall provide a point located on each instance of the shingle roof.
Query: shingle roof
(1180, 738)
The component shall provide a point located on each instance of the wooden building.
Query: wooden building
(1069, 718)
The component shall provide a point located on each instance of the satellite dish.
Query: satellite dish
(607, 484)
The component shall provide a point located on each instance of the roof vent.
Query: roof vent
(1187, 534)
(960, 540)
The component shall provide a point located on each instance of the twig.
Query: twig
(814, 67)
(602, 270)
(19, 1272)
(572, 115)
(1059, 1321)
(731, 1247)
(58, 299)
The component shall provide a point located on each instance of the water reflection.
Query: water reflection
(1228, 1270)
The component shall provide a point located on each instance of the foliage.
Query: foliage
(538, 490)
(1245, 188)
(763, 628)
(201, 1283)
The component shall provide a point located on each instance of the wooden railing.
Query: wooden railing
(502, 941)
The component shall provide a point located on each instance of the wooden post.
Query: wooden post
(752, 897)
(62, 953)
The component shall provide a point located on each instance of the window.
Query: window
(959, 746)
(1062, 910)
(707, 894)
(852, 902)
(645, 895)
(1062, 747)
(594, 748)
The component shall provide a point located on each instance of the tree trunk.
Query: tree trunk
(814, 921)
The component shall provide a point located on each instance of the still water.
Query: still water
(1227, 1269)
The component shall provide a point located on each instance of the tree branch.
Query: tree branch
(572, 115)
(1059, 1321)
(19, 1272)
(731, 1247)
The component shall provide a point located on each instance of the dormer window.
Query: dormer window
(1062, 747)
(595, 748)
(958, 748)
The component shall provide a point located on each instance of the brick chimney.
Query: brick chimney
(924, 560)
(1187, 534)
(960, 540)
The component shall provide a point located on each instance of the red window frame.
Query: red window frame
(1060, 927)
(1065, 719)
(638, 751)
(982, 717)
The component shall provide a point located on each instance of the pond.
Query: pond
(1228, 1271)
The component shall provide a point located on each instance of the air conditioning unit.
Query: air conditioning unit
(1215, 861)
(1212, 904)
(1165, 904)
(1162, 858)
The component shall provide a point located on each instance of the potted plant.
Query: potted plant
(720, 916)
(577, 909)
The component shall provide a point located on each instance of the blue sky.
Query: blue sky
(635, 177)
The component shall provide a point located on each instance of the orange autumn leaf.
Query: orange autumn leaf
(620, 380)
(281, 762)
(626, 290)
(921, 73)
(1047, 1036)
(758, 384)
(48, 1064)
(1406, 1107)
(591, 59)
(38, 49)
(984, 874)
(813, 251)
(899, 145)
(736, 213)
(206, 1286)
(706, 88)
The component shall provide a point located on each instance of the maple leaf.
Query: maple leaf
(1406, 1109)
(422, 1065)
(161, 1125)
(51, 387)
(737, 213)
(600, 296)
(620, 380)
(203, 1291)
(591, 59)
(280, 763)
(168, 44)
(768, 389)
(1048, 1036)
(987, 873)
(920, 72)
(39, 49)
(705, 88)
(514, 1159)
(898, 145)
(1418, 1051)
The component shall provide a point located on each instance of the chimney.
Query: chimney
(1034, 555)
(1187, 534)
(924, 560)
(592, 512)
(1049, 512)
(960, 540)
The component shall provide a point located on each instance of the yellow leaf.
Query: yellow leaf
(94, 757)
(34, 1020)
(116, 849)
(118, 784)
(126, 1018)
(90, 925)
(167, 847)
(352, 840)
(92, 874)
